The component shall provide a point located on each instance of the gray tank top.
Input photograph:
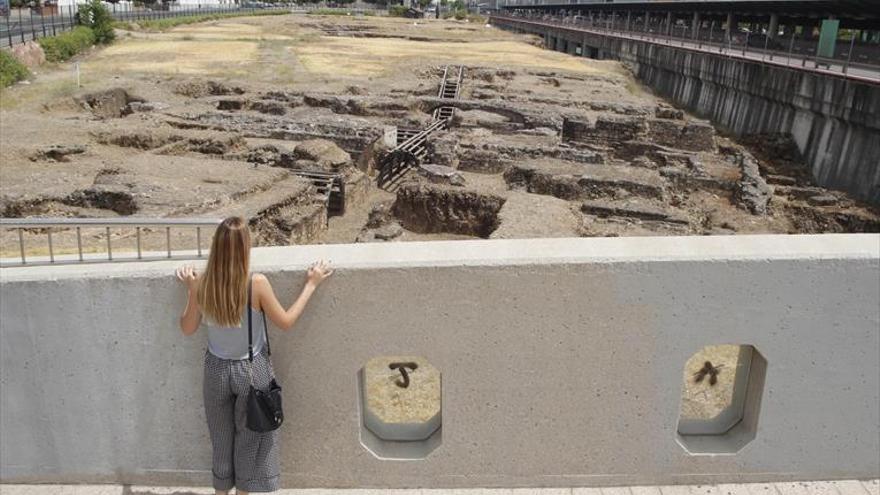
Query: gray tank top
(232, 342)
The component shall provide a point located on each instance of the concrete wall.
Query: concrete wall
(562, 361)
(834, 121)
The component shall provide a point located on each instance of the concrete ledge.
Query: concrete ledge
(847, 487)
(506, 252)
(562, 362)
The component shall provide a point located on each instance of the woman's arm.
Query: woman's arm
(285, 319)
(192, 316)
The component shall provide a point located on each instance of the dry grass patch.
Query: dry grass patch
(379, 56)
(226, 31)
(176, 56)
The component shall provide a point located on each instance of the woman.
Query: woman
(243, 458)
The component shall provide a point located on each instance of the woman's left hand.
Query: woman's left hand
(318, 272)
(188, 276)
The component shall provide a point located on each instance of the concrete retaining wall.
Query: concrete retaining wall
(562, 361)
(834, 121)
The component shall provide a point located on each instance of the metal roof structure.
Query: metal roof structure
(859, 14)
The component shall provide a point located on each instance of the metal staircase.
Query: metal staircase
(403, 134)
(449, 90)
(406, 155)
(410, 149)
(330, 187)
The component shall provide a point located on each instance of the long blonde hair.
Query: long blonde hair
(223, 287)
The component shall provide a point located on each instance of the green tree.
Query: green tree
(96, 17)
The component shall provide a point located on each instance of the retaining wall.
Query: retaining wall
(834, 121)
(561, 361)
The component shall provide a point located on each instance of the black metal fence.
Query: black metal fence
(22, 25)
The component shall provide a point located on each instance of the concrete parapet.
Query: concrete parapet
(562, 362)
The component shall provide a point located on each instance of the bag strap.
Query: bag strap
(266, 334)
(250, 321)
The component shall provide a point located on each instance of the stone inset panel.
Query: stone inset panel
(721, 398)
(401, 404)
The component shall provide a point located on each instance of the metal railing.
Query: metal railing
(47, 225)
(852, 60)
(22, 25)
(356, 9)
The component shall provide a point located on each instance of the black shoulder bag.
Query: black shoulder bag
(263, 407)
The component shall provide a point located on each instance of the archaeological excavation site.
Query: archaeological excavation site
(567, 250)
(358, 129)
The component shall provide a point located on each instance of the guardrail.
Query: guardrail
(753, 46)
(22, 25)
(47, 225)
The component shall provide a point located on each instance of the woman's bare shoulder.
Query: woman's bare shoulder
(260, 281)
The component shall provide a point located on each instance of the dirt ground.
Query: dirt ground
(220, 118)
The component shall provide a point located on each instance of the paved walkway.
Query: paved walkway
(849, 487)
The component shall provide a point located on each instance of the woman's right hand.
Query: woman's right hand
(188, 277)
(318, 272)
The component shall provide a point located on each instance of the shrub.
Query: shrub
(397, 11)
(479, 19)
(460, 15)
(95, 16)
(171, 22)
(65, 45)
(11, 70)
(329, 12)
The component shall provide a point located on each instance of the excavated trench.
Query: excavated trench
(434, 208)
(111, 200)
(112, 103)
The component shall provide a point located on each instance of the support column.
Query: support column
(695, 25)
(773, 28)
(647, 21)
(628, 19)
(828, 38)
(668, 23)
(730, 27)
